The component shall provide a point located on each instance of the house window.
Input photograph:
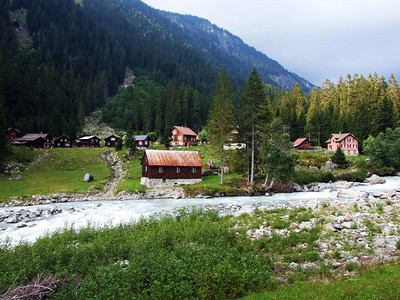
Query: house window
(145, 142)
(175, 132)
(178, 169)
(113, 139)
(145, 168)
(160, 169)
(179, 138)
(194, 170)
(184, 138)
(140, 143)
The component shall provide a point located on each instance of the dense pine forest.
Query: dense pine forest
(148, 70)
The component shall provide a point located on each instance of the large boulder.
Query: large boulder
(329, 166)
(350, 194)
(375, 179)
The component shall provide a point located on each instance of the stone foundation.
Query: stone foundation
(157, 183)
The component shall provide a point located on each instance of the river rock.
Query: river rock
(350, 194)
(375, 179)
(294, 187)
(348, 225)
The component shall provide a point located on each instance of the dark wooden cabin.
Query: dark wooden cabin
(142, 141)
(111, 141)
(13, 134)
(62, 141)
(88, 142)
(36, 140)
(160, 164)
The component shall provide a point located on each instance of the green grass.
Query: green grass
(49, 175)
(131, 182)
(381, 282)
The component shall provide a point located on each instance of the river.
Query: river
(112, 213)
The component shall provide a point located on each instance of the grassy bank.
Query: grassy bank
(57, 171)
(378, 282)
(196, 255)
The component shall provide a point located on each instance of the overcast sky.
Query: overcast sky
(316, 39)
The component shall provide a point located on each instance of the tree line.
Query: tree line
(268, 126)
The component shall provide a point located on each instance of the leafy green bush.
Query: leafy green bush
(192, 255)
(308, 176)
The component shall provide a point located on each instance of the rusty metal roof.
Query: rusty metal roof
(185, 130)
(173, 158)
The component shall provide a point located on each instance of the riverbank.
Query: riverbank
(330, 234)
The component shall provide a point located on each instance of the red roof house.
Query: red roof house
(302, 144)
(183, 136)
(346, 141)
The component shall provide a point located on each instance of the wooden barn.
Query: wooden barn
(111, 141)
(88, 142)
(36, 140)
(142, 141)
(62, 142)
(302, 144)
(183, 136)
(346, 141)
(170, 168)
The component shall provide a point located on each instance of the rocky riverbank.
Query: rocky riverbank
(354, 227)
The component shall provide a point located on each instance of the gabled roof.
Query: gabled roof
(140, 137)
(173, 158)
(84, 138)
(299, 141)
(62, 136)
(185, 130)
(340, 136)
(111, 136)
(32, 137)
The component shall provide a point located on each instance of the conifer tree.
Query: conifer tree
(222, 120)
(256, 114)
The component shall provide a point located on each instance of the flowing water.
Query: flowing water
(112, 213)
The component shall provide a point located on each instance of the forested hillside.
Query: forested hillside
(62, 59)
(362, 106)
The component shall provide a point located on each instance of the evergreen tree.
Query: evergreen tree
(339, 157)
(256, 114)
(222, 120)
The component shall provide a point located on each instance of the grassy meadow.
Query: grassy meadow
(57, 170)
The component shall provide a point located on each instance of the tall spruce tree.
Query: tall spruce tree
(256, 114)
(222, 120)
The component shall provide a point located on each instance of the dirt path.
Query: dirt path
(116, 165)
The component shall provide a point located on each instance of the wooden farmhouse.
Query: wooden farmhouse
(36, 140)
(302, 144)
(142, 141)
(161, 168)
(13, 134)
(88, 141)
(62, 141)
(346, 141)
(183, 136)
(111, 141)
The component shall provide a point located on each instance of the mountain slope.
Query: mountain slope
(62, 59)
(230, 52)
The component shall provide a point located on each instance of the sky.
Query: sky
(316, 39)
